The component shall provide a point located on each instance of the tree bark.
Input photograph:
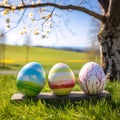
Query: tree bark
(109, 38)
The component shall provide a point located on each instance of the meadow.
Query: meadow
(30, 110)
(16, 57)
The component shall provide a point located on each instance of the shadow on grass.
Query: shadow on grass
(62, 102)
(112, 102)
(63, 105)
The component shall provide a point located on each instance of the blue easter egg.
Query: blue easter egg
(31, 79)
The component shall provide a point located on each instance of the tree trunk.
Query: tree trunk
(109, 39)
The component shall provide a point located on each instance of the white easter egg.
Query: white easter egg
(92, 78)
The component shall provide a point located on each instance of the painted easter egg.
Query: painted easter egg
(31, 79)
(92, 78)
(61, 79)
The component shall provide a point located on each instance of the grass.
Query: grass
(15, 57)
(29, 110)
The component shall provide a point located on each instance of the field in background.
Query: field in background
(16, 57)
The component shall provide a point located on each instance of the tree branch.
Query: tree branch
(23, 2)
(67, 7)
(17, 23)
(48, 17)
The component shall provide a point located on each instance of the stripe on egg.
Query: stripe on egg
(62, 91)
(61, 76)
(28, 88)
(62, 69)
(62, 84)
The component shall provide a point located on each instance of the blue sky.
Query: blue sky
(73, 29)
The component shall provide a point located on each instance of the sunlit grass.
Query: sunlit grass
(15, 57)
(30, 110)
